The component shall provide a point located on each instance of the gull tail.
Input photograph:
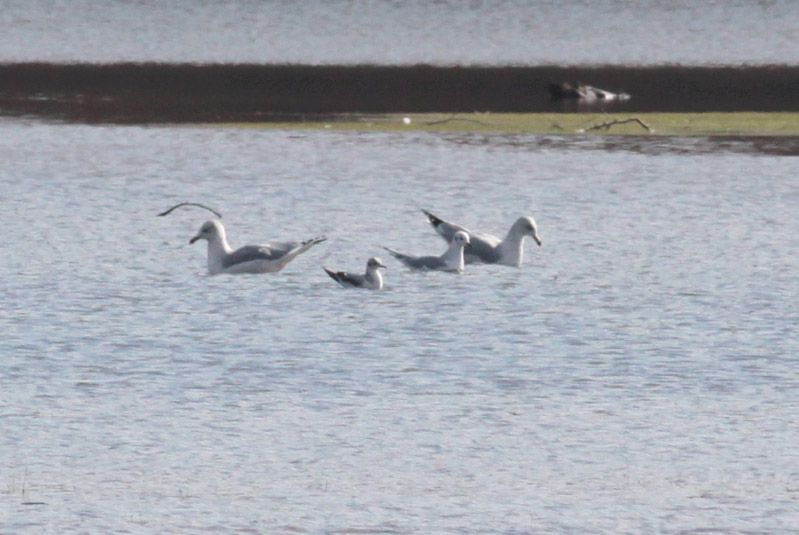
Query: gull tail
(399, 256)
(336, 276)
(394, 253)
(405, 259)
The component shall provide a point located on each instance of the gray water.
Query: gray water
(523, 32)
(637, 375)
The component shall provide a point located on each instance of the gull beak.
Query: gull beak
(194, 239)
(537, 240)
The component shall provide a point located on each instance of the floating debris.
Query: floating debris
(167, 212)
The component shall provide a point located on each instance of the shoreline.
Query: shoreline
(742, 124)
(769, 133)
(144, 93)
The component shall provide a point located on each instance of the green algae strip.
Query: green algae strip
(666, 124)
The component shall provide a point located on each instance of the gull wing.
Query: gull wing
(445, 229)
(347, 279)
(249, 253)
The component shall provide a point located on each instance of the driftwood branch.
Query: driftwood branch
(454, 118)
(607, 124)
(167, 212)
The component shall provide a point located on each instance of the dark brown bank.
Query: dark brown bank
(180, 93)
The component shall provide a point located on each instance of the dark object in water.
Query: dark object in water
(167, 212)
(585, 93)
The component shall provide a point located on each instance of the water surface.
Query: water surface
(520, 32)
(637, 374)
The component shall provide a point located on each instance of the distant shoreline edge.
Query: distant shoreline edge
(134, 93)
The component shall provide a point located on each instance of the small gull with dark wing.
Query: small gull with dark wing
(372, 279)
(451, 260)
(268, 258)
(489, 249)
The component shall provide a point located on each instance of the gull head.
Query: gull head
(528, 228)
(374, 263)
(210, 230)
(461, 237)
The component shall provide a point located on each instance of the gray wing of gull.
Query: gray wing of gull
(419, 262)
(248, 253)
(483, 248)
(347, 279)
(445, 229)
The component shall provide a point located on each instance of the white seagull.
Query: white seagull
(451, 260)
(489, 249)
(372, 279)
(268, 258)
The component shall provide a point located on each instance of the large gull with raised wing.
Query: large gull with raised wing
(267, 258)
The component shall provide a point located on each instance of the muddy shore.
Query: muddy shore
(185, 93)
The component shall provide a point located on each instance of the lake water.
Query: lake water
(522, 32)
(637, 375)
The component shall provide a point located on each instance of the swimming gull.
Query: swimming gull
(451, 260)
(267, 258)
(489, 249)
(372, 279)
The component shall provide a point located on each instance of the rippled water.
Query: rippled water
(636, 375)
(385, 32)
